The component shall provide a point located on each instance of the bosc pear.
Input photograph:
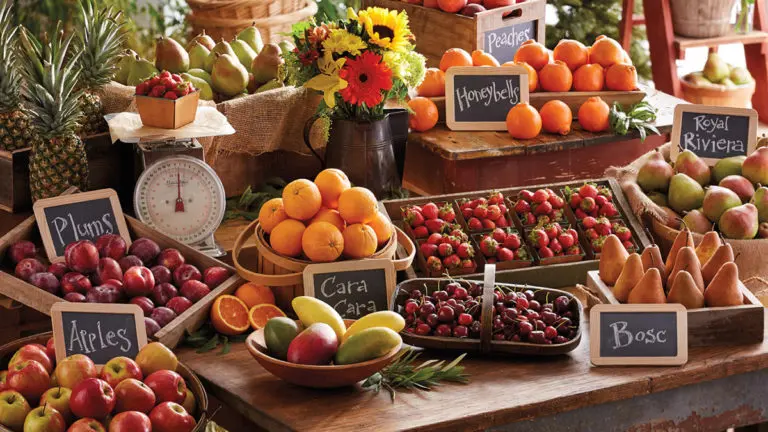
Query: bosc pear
(697, 222)
(722, 256)
(687, 261)
(629, 277)
(649, 289)
(685, 292)
(612, 260)
(684, 238)
(709, 244)
(724, 289)
(651, 258)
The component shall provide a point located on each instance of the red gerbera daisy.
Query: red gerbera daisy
(367, 77)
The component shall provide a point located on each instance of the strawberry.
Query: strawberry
(603, 226)
(455, 242)
(552, 230)
(176, 78)
(465, 250)
(467, 212)
(420, 231)
(467, 264)
(494, 212)
(503, 208)
(182, 90)
(491, 260)
(142, 89)
(157, 91)
(575, 201)
(556, 247)
(588, 191)
(155, 80)
(499, 235)
(616, 225)
(546, 252)
(463, 203)
(540, 196)
(588, 204)
(522, 206)
(609, 210)
(481, 211)
(474, 224)
(430, 211)
(544, 208)
(434, 225)
(589, 222)
(591, 234)
(168, 83)
(556, 201)
(435, 238)
(171, 95)
(543, 220)
(628, 245)
(481, 201)
(558, 214)
(601, 200)
(539, 238)
(525, 195)
(573, 250)
(512, 241)
(566, 240)
(461, 235)
(165, 74)
(447, 213)
(597, 244)
(452, 262)
(434, 264)
(623, 233)
(488, 246)
(489, 224)
(444, 249)
(502, 222)
(495, 198)
(428, 249)
(580, 214)
(522, 254)
(573, 233)
(413, 216)
(606, 192)
(504, 254)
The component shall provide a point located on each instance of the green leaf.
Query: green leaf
(210, 345)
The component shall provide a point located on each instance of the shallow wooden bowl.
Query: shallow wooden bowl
(316, 376)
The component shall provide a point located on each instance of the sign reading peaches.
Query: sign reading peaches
(505, 28)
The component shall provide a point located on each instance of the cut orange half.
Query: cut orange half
(229, 315)
(260, 314)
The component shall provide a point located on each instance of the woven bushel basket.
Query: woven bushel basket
(701, 18)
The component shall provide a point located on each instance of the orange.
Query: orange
(594, 115)
(322, 242)
(572, 53)
(253, 294)
(229, 315)
(556, 117)
(433, 84)
(331, 216)
(451, 6)
(589, 78)
(621, 77)
(424, 114)
(556, 77)
(260, 314)
(482, 58)
(606, 52)
(359, 241)
(301, 199)
(533, 80)
(271, 214)
(627, 59)
(523, 121)
(331, 183)
(358, 205)
(455, 57)
(533, 53)
(382, 227)
(285, 239)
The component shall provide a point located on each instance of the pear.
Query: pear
(709, 244)
(687, 261)
(739, 222)
(691, 165)
(655, 173)
(200, 73)
(658, 198)
(760, 201)
(222, 47)
(229, 76)
(717, 200)
(202, 39)
(613, 257)
(269, 85)
(140, 71)
(266, 65)
(683, 239)
(206, 92)
(724, 289)
(649, 289)
(252, 37)
(740, 186)
(727, 83)
(685, 292)
(651, 258)
(728, 166)
(198, 54)
(124, 64)
(684, 193)
(673, 220)
(723, 254)
(629, 277)
(244, 52)
(715, 69)
(286, 46)
(697, 79)
(755, 166)
(740, 76)
(170, 56)
(697, 222)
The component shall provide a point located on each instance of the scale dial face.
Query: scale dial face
(182, 197)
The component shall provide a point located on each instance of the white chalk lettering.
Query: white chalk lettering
(623, 338)
(487, 95)
(511, 38)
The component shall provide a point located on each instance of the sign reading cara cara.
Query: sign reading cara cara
(713, 133)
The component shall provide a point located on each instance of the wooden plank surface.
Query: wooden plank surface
(752, 37)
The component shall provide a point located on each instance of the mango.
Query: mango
(314, 346)
(278, 335)
(311, 310)
(388, 319)
(366, 345)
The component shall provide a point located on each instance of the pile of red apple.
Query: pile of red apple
(464, 7)
(503, 245)
(552, 240)
(540, 207)
(127, 395)
(165, 85)
(160, 282)
(484, 213)
(451, 251)
(430, 218)
(597, 230)
(591, 200)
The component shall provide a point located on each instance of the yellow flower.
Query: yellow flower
(341, 41)
(396, 63)
(387, 29)
(351, 14)
(328, 81)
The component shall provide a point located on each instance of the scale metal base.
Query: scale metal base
(210, 247)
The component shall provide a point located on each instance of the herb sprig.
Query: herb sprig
(207, 339)
(640, 116)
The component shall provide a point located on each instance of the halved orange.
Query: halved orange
(229, 315)
(260, 314)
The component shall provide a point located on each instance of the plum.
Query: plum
(104, 294)
(59, 269)
(111, 246)
(147, 250)
(179, 304)
(45, 281)
(151, 325)
(138, 281)
(75, 297)
(184, 273)
(145, 303)
(75, 282)
(22, 249)
(170, 258)
(109, 269)
(163, 315)
(82, 257)
(162, 274)
(194, 290)
(28, 267)
(214, 276)
(163, 292)
(129, 261)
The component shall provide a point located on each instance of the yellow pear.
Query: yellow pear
(685, 292)
(707, 247)
(612, 259)
(649, 289)
(722, 255)
(687, 261)
(629, 277)
(724, 289)
(683, 239)
(651, 257)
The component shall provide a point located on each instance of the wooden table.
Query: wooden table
(441, 161)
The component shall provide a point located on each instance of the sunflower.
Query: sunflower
(367, 78)
(341, 41)
(387, 29)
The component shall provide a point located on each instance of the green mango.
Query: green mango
(367, 345)
(278, 334)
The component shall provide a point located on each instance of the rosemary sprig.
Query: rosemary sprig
(640, 116)
(207, 339)
(402, 373)
(249, 203)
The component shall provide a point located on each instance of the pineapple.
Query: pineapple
(100, 37)
(51, 71)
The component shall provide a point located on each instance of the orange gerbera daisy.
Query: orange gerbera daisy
(368, 78)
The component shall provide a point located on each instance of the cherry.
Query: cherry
(474, 290)
(411, 306)
(460, 331)
(440, 295)
(497, 324)
(560, 340)
(547, 306)
(509, 316)
(498, 336)
(460, 293)
(525, 328)
(500, 308)
(510, 298)
(534, 305)
(410, 319)
(423, 329)
(432, 320)
(561, 304)
(550, 332)
(529, 294)
(515, 338)
(445, 314)
(475, 328)
(522, 303)
(459, 309)
(452, 302)
(426, 309)
(416, 294)
(533, 315)
(539, 324)
(451, 288)
(443, 330)
(537, 337)
(549, 317)
(465, 319)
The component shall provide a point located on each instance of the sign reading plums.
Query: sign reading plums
(354, 288)
(504, 29)
(82, 216)
(479, 98)
(99, 331)
(638, 334)
(712, 132)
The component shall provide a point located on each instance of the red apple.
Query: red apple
(58, 398)
(138, 281)
(13, 409)
(50, 350)
(46, 282)
(34, 352)
(190, 403)
(104, 294)
(179, 304)
(170, 258)
(134, 395)
(129, 261)
(75, 282)
(151, 326)
(22, 249)
(171, 417)
(167, 385)
(28, 267)
(92, 397)
(147, 250)
(74, 369)
(75, 297)
(109, 269)
(44, 419)
(82, 257)
(130, 421)
(119, 369)
(163, 315)
(146, 305)
(86, 425)
(154, 357)
(29, 378)
(161, 274)
(163, 292)
(214, 276)
(186, 272)
(111, 246)
(194, 290)
(59, 269)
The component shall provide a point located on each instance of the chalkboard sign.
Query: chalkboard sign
(479, 98)
(353, 288)
(639, 334)
(713, 133)
(503, 43)
(503, 30)
(82, 216)
(100, 331)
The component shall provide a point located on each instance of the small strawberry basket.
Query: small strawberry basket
(167, 113)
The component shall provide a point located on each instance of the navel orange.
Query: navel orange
(322, 242)
(229, 315)
(331, 216)
(285, 238)
(253, 294)
(301, 199)
(271, 213)
(358, 205)
(359, 241)
(331, 182)
(260, 314)
(382, 227)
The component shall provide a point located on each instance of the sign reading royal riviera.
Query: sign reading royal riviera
(503, 30)
(713, 133)
(479, 98)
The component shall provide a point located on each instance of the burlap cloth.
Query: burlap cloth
(751, 255)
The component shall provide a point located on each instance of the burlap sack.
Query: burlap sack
(751, 255)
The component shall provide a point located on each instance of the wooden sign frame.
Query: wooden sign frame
(99, 308)
(682, 335)
(450, 114)
(506, 16)
(674, 137)
(366, 264)
(42, 223)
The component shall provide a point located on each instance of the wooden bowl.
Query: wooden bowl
(329, 376)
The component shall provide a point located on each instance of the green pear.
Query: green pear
(267, 64)
(270, 85)
(755, 166)
(655, 173)
(697, 78)
(691, 165)
(205, 76)
(229, 76)
(717, 200)
(715, 69)
(204, 40)
(740, 76)
(252, 37)
(760, 201)
(739, 222)
(685, 193)
(170, 56)
(728, 166)
(222, 47)
(140, 71)
(286, 46)
(206, 92)
(124, 63)
(244, 52)
(727, 83)
(198, 54)
(658, 198)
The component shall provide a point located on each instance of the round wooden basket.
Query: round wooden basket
(736, 97)
(701, 18)
(193, 382)
(225, 18)
(285, 275)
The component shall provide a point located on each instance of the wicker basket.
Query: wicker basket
(734, 97)
(225, 18)
(701, 18)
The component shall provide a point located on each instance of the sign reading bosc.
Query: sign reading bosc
(354, 288)
(505, 29)
(479, 98)
(99, 331)
(713, 133)
(638, 334)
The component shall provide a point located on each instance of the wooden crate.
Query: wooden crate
(14, 181)
(710, 325)
(170, 335)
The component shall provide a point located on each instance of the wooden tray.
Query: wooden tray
(170, 335)
(710, 325)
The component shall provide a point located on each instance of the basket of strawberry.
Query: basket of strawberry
(166, 101)
(450, 253)
(554, 244)
(540, 207)
(596, 230)
(481, 214)
(429, 218)
(591, 199)
(504, 247)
